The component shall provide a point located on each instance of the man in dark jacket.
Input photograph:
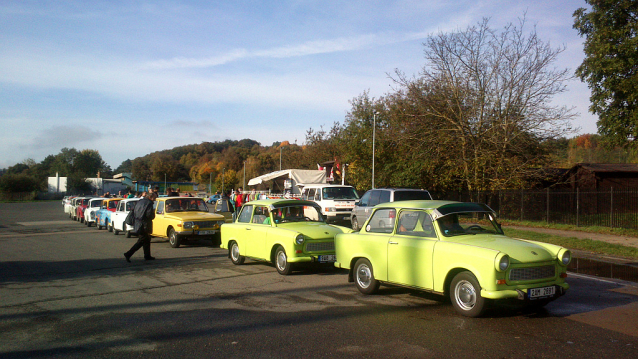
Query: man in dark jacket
(144, 214)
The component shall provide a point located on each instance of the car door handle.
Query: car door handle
(393, 242)
(248, 229)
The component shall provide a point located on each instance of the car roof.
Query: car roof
(317, 185)
(400, 189)
(440, 208)
(281, 202)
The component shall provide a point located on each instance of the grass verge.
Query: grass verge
(569, 227)
(588, 245)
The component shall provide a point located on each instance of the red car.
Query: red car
(79, 213)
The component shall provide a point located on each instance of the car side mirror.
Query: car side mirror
(356, 203)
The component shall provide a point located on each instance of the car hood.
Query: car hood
(313, 230)
(518, 250)
(195, 216)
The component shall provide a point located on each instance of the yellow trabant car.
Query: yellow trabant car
(284, 232)
(182, 218)
(454, 249)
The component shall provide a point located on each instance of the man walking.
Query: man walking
(144, 214)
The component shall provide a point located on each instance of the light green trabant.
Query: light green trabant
(284, 232)
(451, 248)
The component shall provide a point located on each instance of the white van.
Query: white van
(336, 201)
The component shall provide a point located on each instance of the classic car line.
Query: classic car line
(454, 249)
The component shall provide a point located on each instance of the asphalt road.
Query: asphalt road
(66, 291)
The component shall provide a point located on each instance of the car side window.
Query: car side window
(374, 198)
(261, 213)
(311, 194)
(160, 208)
(384, 196)
(415, 223)
(365, 199)
(382, 221)
(246, 213)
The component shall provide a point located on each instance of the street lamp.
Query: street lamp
(374, 127)
(244, 183)
(223, 173)
(210, 183)
(164, 183)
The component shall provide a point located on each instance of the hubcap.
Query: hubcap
(465, 295)
(281, 260)
(364, 276)
(234, 252)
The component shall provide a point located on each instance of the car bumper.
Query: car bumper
(197, 233)
(338, 217)
(521, 293)
(314, 258)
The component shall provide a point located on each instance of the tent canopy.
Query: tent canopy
(298, 177)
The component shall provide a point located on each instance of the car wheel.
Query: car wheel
(110, 227)
(115, 230)
(465, 294)
(355, 224)
(281, 261)
(235, 257)
(364, 277)
(88, 224)
(128, 234)
(98, 225)
(173, 238)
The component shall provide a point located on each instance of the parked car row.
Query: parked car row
(454, 249)
(178, 219)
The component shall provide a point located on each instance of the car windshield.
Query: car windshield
(456, 224)
(297, 213)
(340, 193)
(96, 204)
(186, 204)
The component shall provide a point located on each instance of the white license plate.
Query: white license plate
(328, 258)
(203, 233)
(541, 292)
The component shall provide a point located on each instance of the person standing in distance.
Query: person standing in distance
(144, 214)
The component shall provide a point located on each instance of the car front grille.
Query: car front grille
(320, 246)
(533, 273)
(206, 224)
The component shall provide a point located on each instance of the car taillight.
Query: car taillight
(392, 214)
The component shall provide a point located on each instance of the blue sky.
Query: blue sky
(128, 78)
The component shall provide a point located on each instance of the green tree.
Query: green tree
(20, 182)
(610, 67)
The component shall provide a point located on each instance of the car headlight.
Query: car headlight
(502, 262)
(564, 256)
(331, 209)
(299, 239)
(188, 225)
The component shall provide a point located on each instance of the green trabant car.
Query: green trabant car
(183, 218)
(284, 232)
(454, 249)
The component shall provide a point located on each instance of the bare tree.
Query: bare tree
(483, 104)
